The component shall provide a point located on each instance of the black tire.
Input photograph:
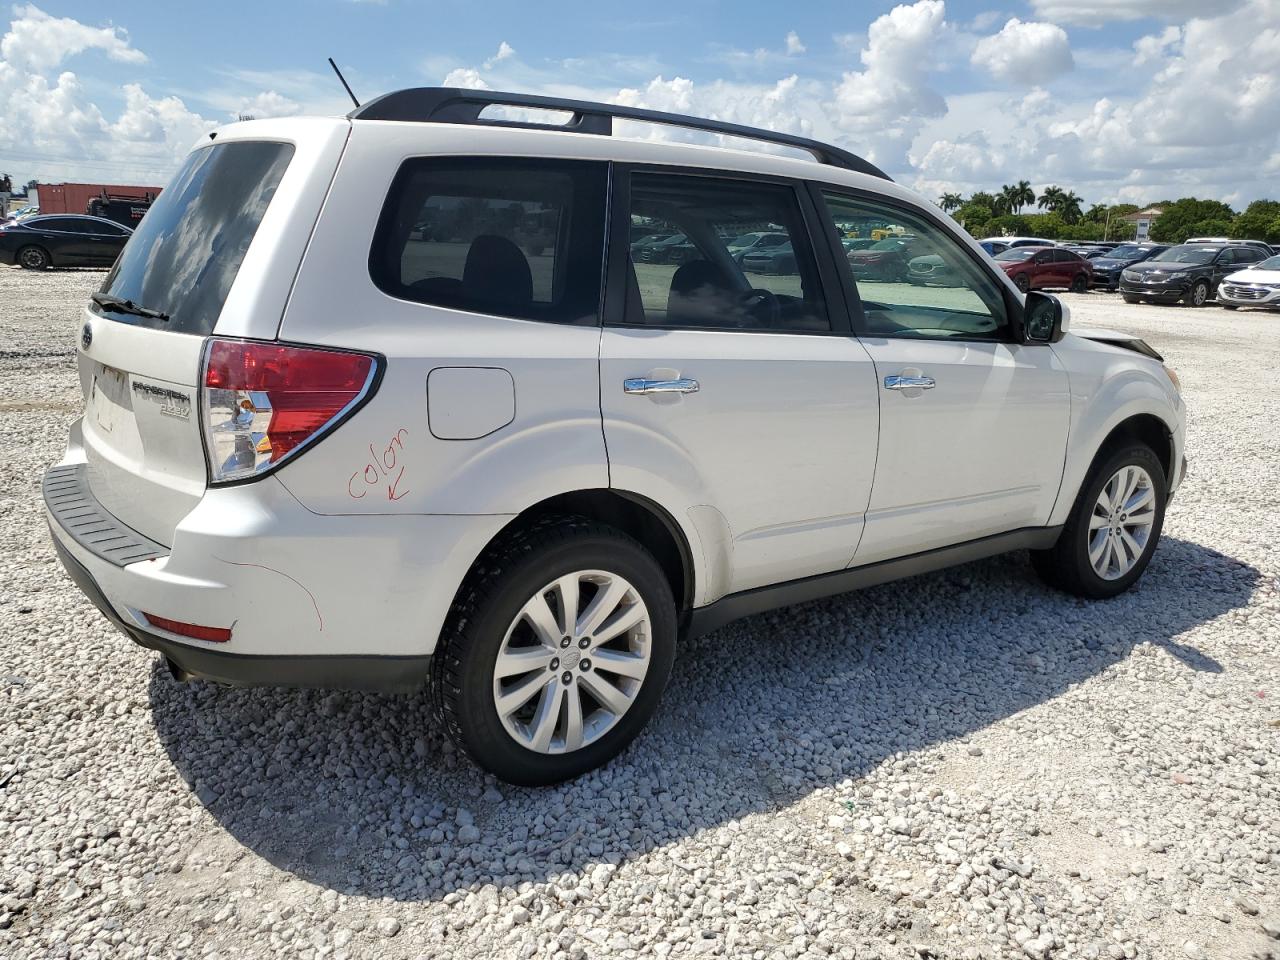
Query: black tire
(510, 572)
(1080, 283)
(1066, 564)
(1198, 295)
(34, 258)
(1022, 282)
(1130, 298)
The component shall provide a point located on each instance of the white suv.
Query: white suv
(383, 402)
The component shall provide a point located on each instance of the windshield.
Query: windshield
(1017, 253)
(1126, 251)
(186, 252)
(1186, 253)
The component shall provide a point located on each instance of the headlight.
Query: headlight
(1173, 377)
(1132, 275)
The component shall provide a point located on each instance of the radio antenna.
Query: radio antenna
(346, 85)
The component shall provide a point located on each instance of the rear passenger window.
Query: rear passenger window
(721, 254)
(516, 238)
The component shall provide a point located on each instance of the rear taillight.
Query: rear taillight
(193, 630)
(263, 402)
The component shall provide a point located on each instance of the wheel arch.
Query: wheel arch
(638, 516)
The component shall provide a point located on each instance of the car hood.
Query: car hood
(1255, 276)
(1114, 338)
(1108, 263)
(1146, 266)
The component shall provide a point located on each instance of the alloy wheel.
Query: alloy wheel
(1121, 522)
(572, 661)
(33, 259)
(1199, 294)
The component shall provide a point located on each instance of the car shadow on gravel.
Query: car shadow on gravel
(361, 793)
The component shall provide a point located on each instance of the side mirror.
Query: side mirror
(1041, 318)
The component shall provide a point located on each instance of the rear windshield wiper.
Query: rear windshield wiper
(120, 305)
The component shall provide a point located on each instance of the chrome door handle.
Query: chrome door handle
(640, 385)
(906, 383)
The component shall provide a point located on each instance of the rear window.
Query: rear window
(186, 252)
(517, 238)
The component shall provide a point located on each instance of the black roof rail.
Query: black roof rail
(456, 105)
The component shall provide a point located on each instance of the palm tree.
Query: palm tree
(1023, 195)
(1005, 201)
(1069, 207)
(950, 201)
(1050, 198)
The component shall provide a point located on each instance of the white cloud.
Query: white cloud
(1094, 13)
(466, 78)
(794, 46)
(505, 52)
(882, 107)
(1154, 48)
(1025, 53)
(53, 129)
(268, 103)
(36, 41)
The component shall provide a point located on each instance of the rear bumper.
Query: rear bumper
(387, 674)
(333, 601)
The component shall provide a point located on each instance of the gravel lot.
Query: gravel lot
(961, 765)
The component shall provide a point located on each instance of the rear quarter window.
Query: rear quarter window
(510, 237)
(186, 252)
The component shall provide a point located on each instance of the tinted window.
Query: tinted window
(1248, 255)
(516, 238)
(939, 290)
(187, 250)
(702, 282)
(58, 224)
(1066, 256)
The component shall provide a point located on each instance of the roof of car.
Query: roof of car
(40, 218)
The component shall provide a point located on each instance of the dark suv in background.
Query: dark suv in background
(1107, 268)
(1189, 272)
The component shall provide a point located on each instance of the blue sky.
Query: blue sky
(1132, 100)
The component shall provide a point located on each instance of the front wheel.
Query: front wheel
(1130, 298)
(1022, 282)
(1199, 293)
(556, 653)
(1113, 527)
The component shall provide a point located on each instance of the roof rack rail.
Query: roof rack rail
(457, 105)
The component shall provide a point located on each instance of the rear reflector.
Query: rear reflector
(212, 634)
(265, 401)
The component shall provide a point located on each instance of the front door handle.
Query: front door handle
(639, 385)
(900, 382)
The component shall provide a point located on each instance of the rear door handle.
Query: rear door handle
(639, 385)
(900, 382)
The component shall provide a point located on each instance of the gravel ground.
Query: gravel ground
(961, 765)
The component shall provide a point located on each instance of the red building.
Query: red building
(75, 197)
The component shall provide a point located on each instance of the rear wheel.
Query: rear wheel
(1198, 295)
(1113, 527)
(556, 653)
(1022, 282)
(1080, 284)
(34, 258)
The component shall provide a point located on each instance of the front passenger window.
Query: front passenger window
(915, 279)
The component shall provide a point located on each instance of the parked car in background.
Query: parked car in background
(1264, 247)
(1106, 269)
(885, 259)
(1190, 272)
(1035, 268)
(62, 240)
(1020, 241)
(779, 260)
(639, 246)
(759, 242)
(931, 269)
(1255, 286)
(676, 249)
(855, 243)
(21, 213)
(993, 246)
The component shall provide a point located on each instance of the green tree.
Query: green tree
(975, 217)
(1190, 217)
(950, 201)
(1069, 207)
(1022, 195)
(1260, 221)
